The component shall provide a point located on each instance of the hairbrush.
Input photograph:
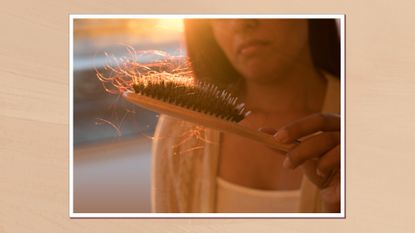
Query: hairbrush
(197, 102)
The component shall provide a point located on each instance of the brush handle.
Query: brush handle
(204, 119)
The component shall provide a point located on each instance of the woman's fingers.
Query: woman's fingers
(331, 194)
(314, 147)
(308, 125)
(318, 154)
(329, 162)
(309, 168)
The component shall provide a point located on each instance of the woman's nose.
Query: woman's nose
(243, 25)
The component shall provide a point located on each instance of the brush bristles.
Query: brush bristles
(196, 95)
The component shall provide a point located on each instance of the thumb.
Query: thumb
(309, 169)
(270, 131)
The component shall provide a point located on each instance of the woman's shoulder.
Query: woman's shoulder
(168, 126)
(184, 164)
(168, 129)
(182, 135)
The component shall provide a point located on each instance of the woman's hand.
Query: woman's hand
(318, 154)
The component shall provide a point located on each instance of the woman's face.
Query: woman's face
(262, 49)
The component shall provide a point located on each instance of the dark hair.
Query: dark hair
(209, 63)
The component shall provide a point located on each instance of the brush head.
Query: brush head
(193, 95)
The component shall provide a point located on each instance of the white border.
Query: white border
(342, 214)
(71, 213)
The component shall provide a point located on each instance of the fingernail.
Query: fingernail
(261, 129)
(319, 173)
(287, 163)
(281, 136)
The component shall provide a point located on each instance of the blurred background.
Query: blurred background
(112, 138)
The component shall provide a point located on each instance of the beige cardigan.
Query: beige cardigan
(185, 162)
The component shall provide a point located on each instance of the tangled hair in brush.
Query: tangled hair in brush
(194, 95)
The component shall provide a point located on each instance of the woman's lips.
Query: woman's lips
(251, 47)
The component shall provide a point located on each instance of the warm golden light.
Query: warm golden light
(170, 24)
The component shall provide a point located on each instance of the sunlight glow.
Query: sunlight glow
(170, 24)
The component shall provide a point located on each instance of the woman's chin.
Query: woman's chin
(262, 80)
(261, 76)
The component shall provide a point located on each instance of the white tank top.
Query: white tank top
(233, 198)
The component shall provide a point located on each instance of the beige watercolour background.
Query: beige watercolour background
(34, 117)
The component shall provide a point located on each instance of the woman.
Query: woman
(283, 70)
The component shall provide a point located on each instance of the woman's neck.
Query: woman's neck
(301, 89)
